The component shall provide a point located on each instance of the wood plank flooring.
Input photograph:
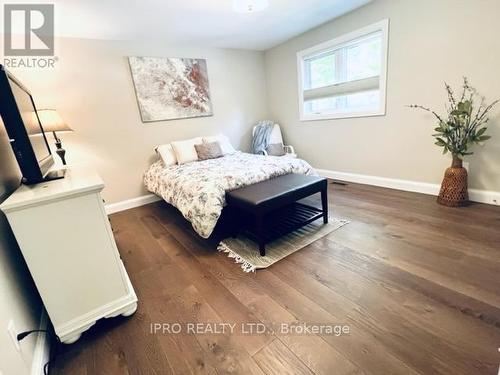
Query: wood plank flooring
(417, 283)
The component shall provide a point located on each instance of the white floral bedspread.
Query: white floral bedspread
(198, 189)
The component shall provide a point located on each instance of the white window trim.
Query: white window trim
(382, 26)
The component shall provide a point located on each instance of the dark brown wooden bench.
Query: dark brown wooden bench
(273, 206)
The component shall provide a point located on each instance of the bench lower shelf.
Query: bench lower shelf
(284, 221)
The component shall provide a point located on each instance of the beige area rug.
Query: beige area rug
(246, 252)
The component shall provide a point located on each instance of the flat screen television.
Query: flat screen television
(25, 131)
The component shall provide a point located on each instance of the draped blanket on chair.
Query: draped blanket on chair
(261, 136)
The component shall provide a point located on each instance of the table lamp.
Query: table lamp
(52, 122)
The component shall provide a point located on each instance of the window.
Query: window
(345, 77)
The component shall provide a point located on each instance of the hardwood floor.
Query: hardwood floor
(417, 283)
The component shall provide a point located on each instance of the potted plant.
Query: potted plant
(463, 126)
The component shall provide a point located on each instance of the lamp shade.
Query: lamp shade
(52, 121)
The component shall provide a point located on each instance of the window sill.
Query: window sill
(339, 116)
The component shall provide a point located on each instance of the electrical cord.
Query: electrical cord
(21, 336)
(52, 358)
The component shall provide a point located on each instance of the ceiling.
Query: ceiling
(209, 22)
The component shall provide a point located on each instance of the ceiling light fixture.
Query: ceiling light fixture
(249, 6)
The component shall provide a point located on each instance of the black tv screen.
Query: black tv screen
(30, 120)
(21, 121)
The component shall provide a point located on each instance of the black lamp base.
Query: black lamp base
(60, 150)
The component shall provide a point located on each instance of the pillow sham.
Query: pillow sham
(210, 150)
(167, 154)
(185, 151)
(225, 144)
(276, 149)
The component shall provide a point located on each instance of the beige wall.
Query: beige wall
(429, 42)
(19, 300)
(93, 90)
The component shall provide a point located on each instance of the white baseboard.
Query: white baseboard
(485, 196)
(42, 347)
(476, 195)
(131, 203)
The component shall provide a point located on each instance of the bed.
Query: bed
(198, 189)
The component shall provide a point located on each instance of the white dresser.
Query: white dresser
(66, 239)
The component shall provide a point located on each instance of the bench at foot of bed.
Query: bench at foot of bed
(273, 206)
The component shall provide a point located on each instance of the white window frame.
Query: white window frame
(338, 43)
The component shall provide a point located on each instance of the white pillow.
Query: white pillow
(185, 151)
(225, 144)
(167, 154)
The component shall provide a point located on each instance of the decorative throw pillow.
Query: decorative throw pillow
(225, 144)
(210, 150)
(185, 151)
(275, 149)
(167, 154)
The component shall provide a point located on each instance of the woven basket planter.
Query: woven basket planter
(454, 191)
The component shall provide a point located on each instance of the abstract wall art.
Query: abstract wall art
(171, 88)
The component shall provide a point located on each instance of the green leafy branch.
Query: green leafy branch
(464, 124)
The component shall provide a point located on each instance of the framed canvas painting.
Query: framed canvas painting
(169, 88)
